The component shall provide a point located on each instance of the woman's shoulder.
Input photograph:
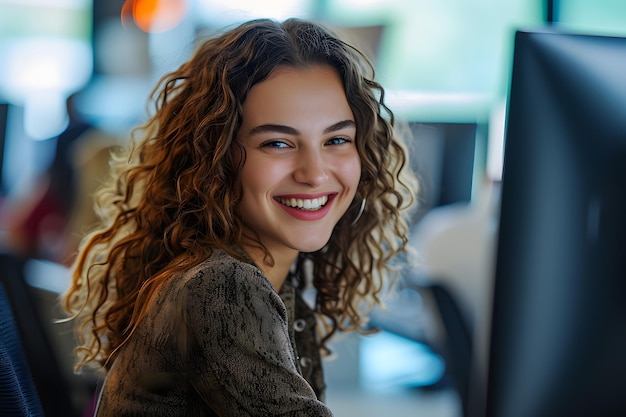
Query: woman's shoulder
(221, 284)
(221, 274)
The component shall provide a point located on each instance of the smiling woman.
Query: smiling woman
(298, 130)
(258, 160)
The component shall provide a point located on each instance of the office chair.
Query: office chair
(24, 337)
(18, 395)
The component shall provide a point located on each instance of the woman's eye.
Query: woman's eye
(338, 141)
(277, 144)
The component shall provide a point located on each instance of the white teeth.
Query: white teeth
(305, 204)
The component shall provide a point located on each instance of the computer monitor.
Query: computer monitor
(558, 342)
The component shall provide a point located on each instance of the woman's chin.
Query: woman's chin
(312, 246)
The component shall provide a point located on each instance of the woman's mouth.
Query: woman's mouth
(311, 204)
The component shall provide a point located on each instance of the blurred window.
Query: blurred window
(448, 59)
(45, 55)
(600, 16)
(45, 48)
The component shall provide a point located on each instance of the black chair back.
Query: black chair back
(30, 358)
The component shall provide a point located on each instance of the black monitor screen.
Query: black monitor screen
(558, 344)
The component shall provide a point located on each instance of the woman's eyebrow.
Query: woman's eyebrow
(288, 130)
(340, 125)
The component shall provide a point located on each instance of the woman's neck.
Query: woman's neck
(277, 272)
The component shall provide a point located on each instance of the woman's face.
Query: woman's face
(302, 168)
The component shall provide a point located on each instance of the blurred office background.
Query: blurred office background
(445, 65)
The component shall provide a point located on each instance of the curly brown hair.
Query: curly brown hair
(173, 195)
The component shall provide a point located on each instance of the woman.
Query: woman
(270, 154)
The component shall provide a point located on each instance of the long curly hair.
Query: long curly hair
(173, 194)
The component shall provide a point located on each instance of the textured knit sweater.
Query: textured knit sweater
(218, 340)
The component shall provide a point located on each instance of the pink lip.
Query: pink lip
(307, 196)
(307, 215)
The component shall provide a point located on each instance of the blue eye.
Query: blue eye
(274, 144)
(338, 141)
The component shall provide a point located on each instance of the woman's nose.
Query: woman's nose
(311, 168)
